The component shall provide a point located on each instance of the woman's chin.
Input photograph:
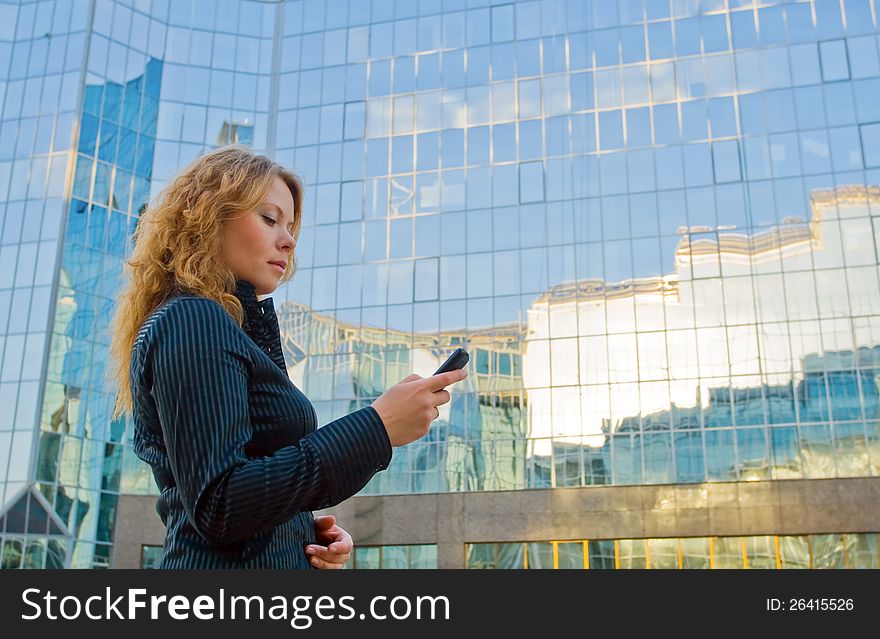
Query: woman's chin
(266, 287)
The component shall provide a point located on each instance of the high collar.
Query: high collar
(245, 292)
(254, 309)
(260, 321)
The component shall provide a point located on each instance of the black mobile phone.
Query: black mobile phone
(455, 361)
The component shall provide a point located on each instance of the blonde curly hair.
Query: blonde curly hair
(177, 243)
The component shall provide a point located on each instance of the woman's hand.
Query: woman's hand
(408, 408)
(337, 548)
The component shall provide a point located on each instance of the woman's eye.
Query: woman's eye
(269, 219)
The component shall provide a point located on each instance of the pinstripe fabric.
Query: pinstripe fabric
(233, 443)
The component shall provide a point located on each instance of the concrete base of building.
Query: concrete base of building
(450, 520)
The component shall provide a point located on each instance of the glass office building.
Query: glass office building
(654, 224)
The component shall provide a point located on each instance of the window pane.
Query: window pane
(366, 557)
(395, 557)
(728, 552)
(12, 553)
(861, 550)
(571, 555)
(531, 182)
(794, 552)
(761, 552)
(502, 20)
(828, 551)
(660, 40)
(753, 462)
(632, 553)
(871, 144)
(817, 451)
(602, 555)
(664, 553)
(540, 555)
(695, 553)
(35, 555)
(510, 556)
(423, 556)
(725, 157)
(834, 62)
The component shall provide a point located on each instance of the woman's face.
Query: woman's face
(256, 243)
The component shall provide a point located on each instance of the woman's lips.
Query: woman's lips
(277, 266)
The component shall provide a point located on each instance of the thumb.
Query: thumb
(325, 521)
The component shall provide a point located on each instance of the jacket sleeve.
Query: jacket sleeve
(200, 377)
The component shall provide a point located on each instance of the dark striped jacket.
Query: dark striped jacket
(233, 443)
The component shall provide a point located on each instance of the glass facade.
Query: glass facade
(847, 550)
(42, 52)
(104, 100)
(654, 224)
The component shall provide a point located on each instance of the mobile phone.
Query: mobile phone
(455, 361)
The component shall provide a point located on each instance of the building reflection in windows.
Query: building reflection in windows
(79, 464)
(751, 377)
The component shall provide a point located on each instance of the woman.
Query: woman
(233, 444)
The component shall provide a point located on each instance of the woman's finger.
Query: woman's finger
(441, 397)
(338, 553)
(329, 560)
